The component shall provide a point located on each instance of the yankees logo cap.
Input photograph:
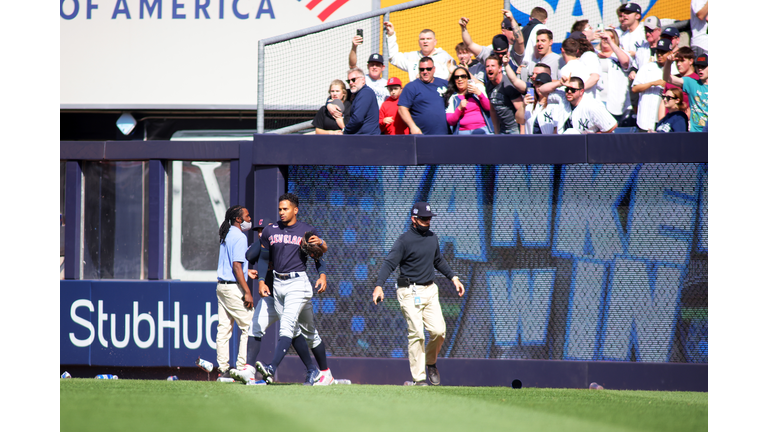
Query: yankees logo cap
(670, 32)
(500, 43)
(376, 57)
(652, 22)
(631, 7)
(422, 209)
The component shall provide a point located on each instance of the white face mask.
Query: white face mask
(245, 226)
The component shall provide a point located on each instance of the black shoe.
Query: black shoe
(433, 375)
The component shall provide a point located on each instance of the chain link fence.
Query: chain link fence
(563, 262)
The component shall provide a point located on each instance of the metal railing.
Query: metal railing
(376, 39)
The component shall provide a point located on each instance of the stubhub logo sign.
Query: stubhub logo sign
(141, 323)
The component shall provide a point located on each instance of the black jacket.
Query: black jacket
(418, 255)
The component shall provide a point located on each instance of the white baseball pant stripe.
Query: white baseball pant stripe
(265, 314)
(293, 302)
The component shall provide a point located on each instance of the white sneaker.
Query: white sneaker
(325, 378)
(243, 374)
(252, 381)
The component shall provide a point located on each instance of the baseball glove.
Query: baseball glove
(312, 250)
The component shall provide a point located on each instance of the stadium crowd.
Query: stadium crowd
(637, 75)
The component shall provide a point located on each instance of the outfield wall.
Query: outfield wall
(584, 256)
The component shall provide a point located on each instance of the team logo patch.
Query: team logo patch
(429, 209)
(415, 211)
(261, 221)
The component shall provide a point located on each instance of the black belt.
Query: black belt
(286, 276)
(226, 282)
(425, 283)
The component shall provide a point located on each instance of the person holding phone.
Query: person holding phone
(541, 117)
(467, 108)
(375, 76)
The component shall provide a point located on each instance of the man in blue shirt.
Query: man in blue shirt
(421, 103)
(235, 299)
(364, 112)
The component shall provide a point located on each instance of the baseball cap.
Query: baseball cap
(261, 223)
(394, 81)
(577, 35)
(671, 32)
(631, 7)
(506, 24)
(652, 22)
(376, 57)
(500, 43)
(421, 209)
(702, 60)
(543, 78)
(664, 45)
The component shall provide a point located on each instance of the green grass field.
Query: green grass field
(144, 405)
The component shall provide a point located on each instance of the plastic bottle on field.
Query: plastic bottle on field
(106, 376)
(339, 381)
(66, 375)
(204, 364)
(172, 378)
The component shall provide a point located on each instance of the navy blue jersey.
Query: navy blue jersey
(284, 244)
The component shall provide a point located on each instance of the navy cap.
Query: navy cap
(664, 45)
(631, 7)
(543, 78)
(671, 32)
(376, 57)
(421, 209)
(577, 35)
(500, 43)
(261, 223)
(506, 24)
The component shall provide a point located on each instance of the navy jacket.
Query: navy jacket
(364, 114)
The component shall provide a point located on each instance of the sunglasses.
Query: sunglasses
(572, 90)
(421, 69)
(351, 80)
(463, 76)
(667, 98)
(424, 218)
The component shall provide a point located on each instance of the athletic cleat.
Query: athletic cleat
(226, 374)
(267, 372)
(252, 381)
(433, 375)
(324, 378)
(243, 374)
(415, 383)
(312, 376)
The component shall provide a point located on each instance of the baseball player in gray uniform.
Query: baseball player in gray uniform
(280, 243)
(264, 316)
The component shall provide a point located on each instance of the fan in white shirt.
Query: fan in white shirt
(542, 113)
(633, 35)
(615, 64)
(581, 63)
(650, 84)
(409, 61)
(699, 26)
(584, 115)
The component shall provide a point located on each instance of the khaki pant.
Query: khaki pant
(231, 310)
(427, 315)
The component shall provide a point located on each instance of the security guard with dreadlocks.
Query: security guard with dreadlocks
(235, 298)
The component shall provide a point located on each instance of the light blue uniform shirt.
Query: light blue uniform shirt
(231, 251)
